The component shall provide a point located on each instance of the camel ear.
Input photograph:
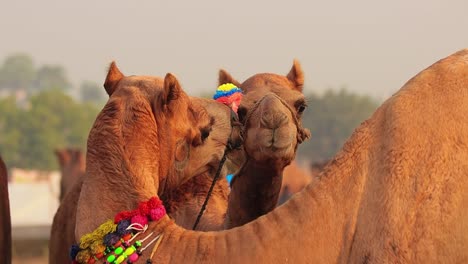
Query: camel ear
(172, 91)
(172, 88)
(296, 76)
(225, 77)
(113, 78)
(62, 156)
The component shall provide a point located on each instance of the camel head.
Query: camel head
(271, 111)
(145, 129)
(72, 166)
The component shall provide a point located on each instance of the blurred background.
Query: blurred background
(54, 55)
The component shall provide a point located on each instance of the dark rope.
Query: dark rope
(218, 172)
(229, 146)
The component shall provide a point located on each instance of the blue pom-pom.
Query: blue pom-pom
(111, 239)
(219, 94)
(74, 251)
(122, 227)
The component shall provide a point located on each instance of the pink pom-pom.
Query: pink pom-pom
(140, 219)
(235, 101)
(157, 213)
(232, 101)
(133, 258)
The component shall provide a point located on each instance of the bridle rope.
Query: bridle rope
(229, 146)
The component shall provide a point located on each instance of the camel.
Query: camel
(273, 126)
(395, 192)
(5, 220)
(157, 122)
(148, 124)
(271, 112)
(72, 167)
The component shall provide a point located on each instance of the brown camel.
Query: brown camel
(395, 193)
(255, 188)
(157, 122)
(147, 125)
(72, 166)
(271, 111)
(5, 220)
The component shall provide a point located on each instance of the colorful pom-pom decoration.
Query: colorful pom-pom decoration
(157, 213)
(140, 219)
(229, 95)
(116, 235)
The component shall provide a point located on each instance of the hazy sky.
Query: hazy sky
(370, 46)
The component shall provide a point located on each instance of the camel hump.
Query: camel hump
(447, 74)
(439, 91)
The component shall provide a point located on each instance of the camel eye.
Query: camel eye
(301, 108)
(205, 133)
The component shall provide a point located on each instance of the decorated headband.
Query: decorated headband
(229, 95)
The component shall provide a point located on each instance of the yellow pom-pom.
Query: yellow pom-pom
(86, 240)
(97, 247)
(98, 234)
(83, 256)
(226, 87)
(106, 228)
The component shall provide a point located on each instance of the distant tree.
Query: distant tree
(92, 92)
(332, 118)
(17, 72)
(53, 119)
(10, 133)
(51, 76)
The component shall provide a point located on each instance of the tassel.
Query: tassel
(74, 251)
(83, 256)
(97, 247)
(111, 239)
(97, 234)
(122, 227)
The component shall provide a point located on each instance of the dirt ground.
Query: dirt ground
(30, 260)
(30, 252)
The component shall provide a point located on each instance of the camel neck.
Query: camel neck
(316, 219)
(273, 238)
(254, 192)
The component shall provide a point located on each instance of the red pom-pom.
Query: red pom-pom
(154, 202)
(144, 209)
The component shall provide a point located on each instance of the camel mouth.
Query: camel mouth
(269, 143)
(275, 139)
